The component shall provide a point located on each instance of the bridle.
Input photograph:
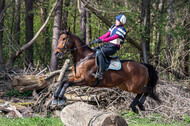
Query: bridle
(66, 45)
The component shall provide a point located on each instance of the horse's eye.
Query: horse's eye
(64, 39)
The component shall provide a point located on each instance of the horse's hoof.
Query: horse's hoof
(61, 102)
(135, 110)
(141, 107)
(54, 102)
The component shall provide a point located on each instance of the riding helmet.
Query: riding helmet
(121, 18)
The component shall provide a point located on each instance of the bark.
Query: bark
(17, 21)
(82, 114)
(75, 17)
(160, 7)
(185, 43)
(169, 37)
(2, 6)
(29, 28)
(65, 14)
(44, 15)
(88, 27)
(56, 28)
(145, 25)
(82, 12)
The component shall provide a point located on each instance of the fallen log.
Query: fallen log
(82, 114)
(33, 82)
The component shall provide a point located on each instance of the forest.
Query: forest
(158, 32)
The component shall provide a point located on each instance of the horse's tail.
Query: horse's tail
(153, 78)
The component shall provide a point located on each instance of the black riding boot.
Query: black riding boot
(101, 66)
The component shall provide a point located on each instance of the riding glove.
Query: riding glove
(96, 40)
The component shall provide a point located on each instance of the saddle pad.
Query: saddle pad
(114, 65)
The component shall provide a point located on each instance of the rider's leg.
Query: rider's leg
(105, 51)
(101, 65)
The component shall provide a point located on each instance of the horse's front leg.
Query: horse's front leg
(57, 92)
(60, 91)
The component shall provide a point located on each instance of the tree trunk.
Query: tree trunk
(2, 6)
(185, 43)
(44, 15)
(56, 28)
(75, 17)
(29, 28)
(65, 15)
(160, 7)
(88, 27)
(17, 21)
(145, 25)
(82, 114)
(169, 38)
(82, 12)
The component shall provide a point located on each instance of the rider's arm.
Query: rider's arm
(110, 38)
(105, 35)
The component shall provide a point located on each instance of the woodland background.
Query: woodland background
(158, 32)
(160, 26)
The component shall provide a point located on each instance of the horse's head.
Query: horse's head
(64, 44)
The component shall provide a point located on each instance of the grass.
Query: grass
(35, 121)
(153, 120)
(132, 120)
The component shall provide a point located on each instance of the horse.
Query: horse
(135, 77)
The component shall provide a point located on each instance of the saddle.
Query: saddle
(112, 63)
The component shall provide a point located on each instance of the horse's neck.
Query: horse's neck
(81, 50)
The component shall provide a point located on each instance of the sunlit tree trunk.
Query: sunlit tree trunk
(29, 28)
(56, 28)
(2, 6)
(88, 27)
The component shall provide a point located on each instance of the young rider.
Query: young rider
(113, 37)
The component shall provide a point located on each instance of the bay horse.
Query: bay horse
(138, 78)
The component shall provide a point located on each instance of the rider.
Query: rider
(114, 38)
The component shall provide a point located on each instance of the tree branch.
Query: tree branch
(24, 47)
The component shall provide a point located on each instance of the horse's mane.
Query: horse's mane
(87, 46)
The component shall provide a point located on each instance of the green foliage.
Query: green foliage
(15, 93)
(187, 119)
(153, 120)
(35, 121)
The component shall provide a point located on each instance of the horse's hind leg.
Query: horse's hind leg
(141, 102)
(135, 102)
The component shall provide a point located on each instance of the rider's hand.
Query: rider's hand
(96, 40)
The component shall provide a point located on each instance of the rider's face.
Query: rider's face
(117, 23)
